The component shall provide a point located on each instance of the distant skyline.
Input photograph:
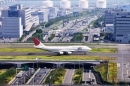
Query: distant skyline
(56, 2)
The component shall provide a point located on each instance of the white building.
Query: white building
(65, 4)
(101, 4)
(35, 20)
(43, 16)
(83, 4)
(11, 27)
(47, 3)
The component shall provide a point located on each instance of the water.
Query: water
(73, 2)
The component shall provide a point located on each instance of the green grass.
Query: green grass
(77, 78)
(56, 75)
(104, 50)
(61, 58)
(21, 50)
(7, 76)
(2, 71)
(112, 73)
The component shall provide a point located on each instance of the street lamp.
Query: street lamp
(45, 69)
(37, 59)
(50, 80)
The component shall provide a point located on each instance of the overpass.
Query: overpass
(56, 63)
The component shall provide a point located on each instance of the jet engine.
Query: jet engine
(69, 53)
(61, 53)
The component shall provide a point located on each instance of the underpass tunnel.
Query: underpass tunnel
(7, 65)
(39, 65)
(77, 66)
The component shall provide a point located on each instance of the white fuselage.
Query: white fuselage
(65, 49)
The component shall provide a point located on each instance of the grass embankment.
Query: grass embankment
(7, 76)
(108, 70)
(56, 76)
(77, 78)
(57, 58)
(102, 50)
(2, 71)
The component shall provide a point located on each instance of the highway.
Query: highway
(88, 76)
(39, 77)
(68, 76)
(19, 80)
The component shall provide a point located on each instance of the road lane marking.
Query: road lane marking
(127, 65)
(118, 64)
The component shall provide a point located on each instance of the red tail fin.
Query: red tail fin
(36, 41)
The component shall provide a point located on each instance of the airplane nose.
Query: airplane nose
(90, 49)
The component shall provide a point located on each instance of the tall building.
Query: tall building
(18, 11)
(17, 17)
(11, 27)
(117, 23)
(122, 27)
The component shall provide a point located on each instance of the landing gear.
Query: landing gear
(85, 53)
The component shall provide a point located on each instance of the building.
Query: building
(117, 23)
(47, 3)
(101, 4)
(83, 4)
(11, 27)
(18, 11)
(22, 18)
(65, 4)
(53, 12)
(43, 15)
(122, 27)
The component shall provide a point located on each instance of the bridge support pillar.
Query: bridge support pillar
(19, 65)
(58, 65)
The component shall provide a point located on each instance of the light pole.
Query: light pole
(45, 69)
(50, 81)
(79, 64)
(37, 59)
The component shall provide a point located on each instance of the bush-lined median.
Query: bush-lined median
(108, 71)
(56, 76)
(78, 76)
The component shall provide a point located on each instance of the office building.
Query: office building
(53, 12)
(122, 27)
(21, 15)
(11, 27)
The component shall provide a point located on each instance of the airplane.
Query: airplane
(60, 50)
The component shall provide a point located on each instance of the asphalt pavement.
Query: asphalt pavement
(39, 77)
(68, 76)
